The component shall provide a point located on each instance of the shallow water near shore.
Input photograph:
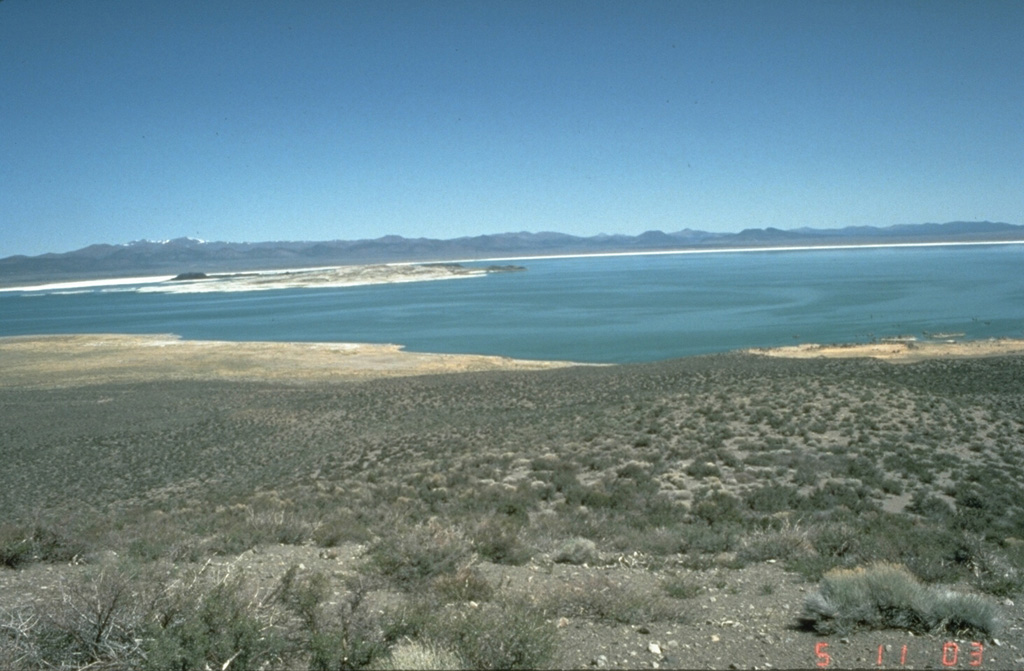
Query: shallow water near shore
(609, 309)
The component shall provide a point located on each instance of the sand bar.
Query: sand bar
(73, 360)
(899, 351)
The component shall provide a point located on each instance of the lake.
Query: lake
(596, 309)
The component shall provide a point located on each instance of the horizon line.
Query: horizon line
(730, 250)
(152, 279)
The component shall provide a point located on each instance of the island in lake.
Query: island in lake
(306, 278)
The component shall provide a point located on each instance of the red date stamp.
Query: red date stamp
(952, 654)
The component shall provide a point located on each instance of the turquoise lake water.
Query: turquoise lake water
(606, 309)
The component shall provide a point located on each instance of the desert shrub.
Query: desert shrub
(507, 635)
(577, 551)
(833, 494)
(339, 526)
(658, 541)
(499, 540)
(703, 469)
(718, 508)
(159, 538)
(21, 544)
(840, 541)
(785, 543)
(865, 470)
(197, 626)
(502, 501)
(350, 635)
(418, 655)
(414, 555)
(97, 619)
(975, 512)
(772, 498)
(16, 545)
(892, 486)
(994, 570)
(704, 538)
(564, 476)
(600, 598)
(122, 616)
(926, 504)
(466, 584)
(355, 645)
(303, 593)
(631, 488)
(887, 596)
(681, 586)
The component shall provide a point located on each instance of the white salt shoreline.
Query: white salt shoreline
(157, 279)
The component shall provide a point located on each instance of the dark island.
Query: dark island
(182, 277)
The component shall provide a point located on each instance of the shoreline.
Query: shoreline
(897, 351)
(87, 359)
(42, 361)
(267, 272)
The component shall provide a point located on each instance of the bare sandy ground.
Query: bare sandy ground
(71, 360)
(899, 351)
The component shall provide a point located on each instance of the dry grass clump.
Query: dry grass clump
(887, 596)
(427, 656)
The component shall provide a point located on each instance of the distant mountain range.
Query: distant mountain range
(188, 255)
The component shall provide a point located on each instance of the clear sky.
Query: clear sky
(253, 120)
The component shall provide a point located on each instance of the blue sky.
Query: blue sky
(252, 120)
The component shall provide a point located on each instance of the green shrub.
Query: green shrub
(785, 543)
(703, 538)
(355, 636)
(507, 635)
(15, 545)
(21, 544)
(772, 498)
(466, 584)
(303, 594)
(339, 526)
(718, 508)
(703, 469)
(120, 616)
(577, 551)
(213, 626)
(681, 586)
(499, 540)
(414, 555)
(926, 504)
(601, 599)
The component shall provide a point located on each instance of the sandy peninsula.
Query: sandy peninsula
(73, 360)
(899, 351)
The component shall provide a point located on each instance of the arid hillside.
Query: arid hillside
(690, 513)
